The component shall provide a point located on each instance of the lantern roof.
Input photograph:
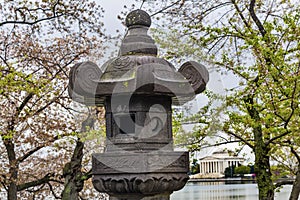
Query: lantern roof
(136, 70)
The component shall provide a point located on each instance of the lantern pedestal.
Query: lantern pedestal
(150, 175)
(141, 197)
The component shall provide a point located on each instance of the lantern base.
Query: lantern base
(140, 176)
(140, 197)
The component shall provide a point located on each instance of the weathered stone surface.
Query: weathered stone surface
(145, 75)
(140, 162)
(138, 17)
(139, 184)
(139, 123)
(165, 196)
(137, 41)
(137, 174)
(196, 74)
(137, 70)
(84, 78)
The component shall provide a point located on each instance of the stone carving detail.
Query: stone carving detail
(140, 183)
(127, 62)
(196, 74)
(109, 163)
(84, 78)
(122, 62)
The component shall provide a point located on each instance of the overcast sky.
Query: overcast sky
(112, 9)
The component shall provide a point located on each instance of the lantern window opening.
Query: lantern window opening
(126, 123)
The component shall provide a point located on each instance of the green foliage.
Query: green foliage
(177, 128)
(195, 168)
(40, 41)
(258, 42)
(229, 172)
(242, 170)
(280, 171)
(206, 123)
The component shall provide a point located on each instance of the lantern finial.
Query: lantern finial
(138, 17)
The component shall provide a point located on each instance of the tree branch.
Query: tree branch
(52, 191)
(50, 102)
(292, 102)
(165, 8)
(285, 182)
(87, 175)
(232, 68)
(239, 137)
(30, 23)
(213, 8)
(255, 18)
(240, 14)
(4, 185)
(278, 137)
(32, 151)
(38, 182)
(23, 104)
(295, 154)
(222, 143)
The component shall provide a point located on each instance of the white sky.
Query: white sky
(112, 9)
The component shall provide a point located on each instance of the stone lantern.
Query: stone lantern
(137, 90)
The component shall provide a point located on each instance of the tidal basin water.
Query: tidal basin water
(222, 191)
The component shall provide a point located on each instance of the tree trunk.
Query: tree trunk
(296, 186)
(263, 175)
(72, 174)
(13, 170)
(262, 159)
(74, 179)
(12, 188)
(262, 167)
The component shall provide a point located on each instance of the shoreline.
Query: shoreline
(235, 180)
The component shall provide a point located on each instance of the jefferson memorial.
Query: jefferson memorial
(214, 166)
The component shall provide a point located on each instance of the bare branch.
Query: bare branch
(247, 142)
(23, 104)
(295, 154)
(165, 8)
(270, 10)
(31, 23)
(278, 137)
(35, 190)
(285, 182)
(38, 182)
(241, 14)
(142, 4)
(3, 184)
(222, 143)
(52, 191)
(50, 102)
(255, 18)
(32, 151)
